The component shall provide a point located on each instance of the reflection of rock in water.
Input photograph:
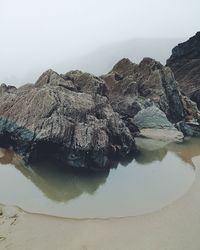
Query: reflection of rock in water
(150, 150)
(147, 156)
(56, 182)
(6, 156)
(61, 184)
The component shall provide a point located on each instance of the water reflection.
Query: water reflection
(152, 150)
(55, 181)
(126, 190)
(61, 184)
(187, 150)
(7, 156)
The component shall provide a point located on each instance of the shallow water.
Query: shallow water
(157, 177)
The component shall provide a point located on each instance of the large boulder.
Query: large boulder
(53, 118)
(154, 124)
(152, 117)
(185, 63)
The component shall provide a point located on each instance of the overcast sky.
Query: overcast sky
(40, 33)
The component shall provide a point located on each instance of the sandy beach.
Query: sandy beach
(175, 227)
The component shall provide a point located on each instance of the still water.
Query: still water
(158, 176)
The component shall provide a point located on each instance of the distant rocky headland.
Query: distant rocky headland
(85, 121)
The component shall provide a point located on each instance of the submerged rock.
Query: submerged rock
(76, 128)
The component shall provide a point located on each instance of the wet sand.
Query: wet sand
(176, 227)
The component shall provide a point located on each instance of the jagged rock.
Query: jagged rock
(190, 109)
(54, 79)
(86, 121)
(86, 82)
(185, 63)
(149, 80)
(189, 128)
(123, 68)
(6, 89)
(79, 129)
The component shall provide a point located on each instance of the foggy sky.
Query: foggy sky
(36, 34)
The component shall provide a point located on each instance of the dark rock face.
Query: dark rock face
(52, 118)
(189, 128)
(132, 87)
(185, 63)
(52, 78)
(195, 97)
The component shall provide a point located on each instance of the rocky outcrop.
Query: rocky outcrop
(52, 78)
(86, 82)
(185, 63)
(53, 118)
(132, 87)
(90, 122)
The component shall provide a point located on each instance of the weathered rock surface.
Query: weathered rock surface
(152, 117)
(86, 82)
(52, 78)
(87, 121)
(189, 128)
(185, 63)
(132, 87)
(53, 118)
(6, 89)
(154, 124)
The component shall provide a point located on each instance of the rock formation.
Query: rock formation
(90, 122)
(132, 87)
(185, 63)
(52, 117)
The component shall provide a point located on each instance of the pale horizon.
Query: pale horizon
(36, 35)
